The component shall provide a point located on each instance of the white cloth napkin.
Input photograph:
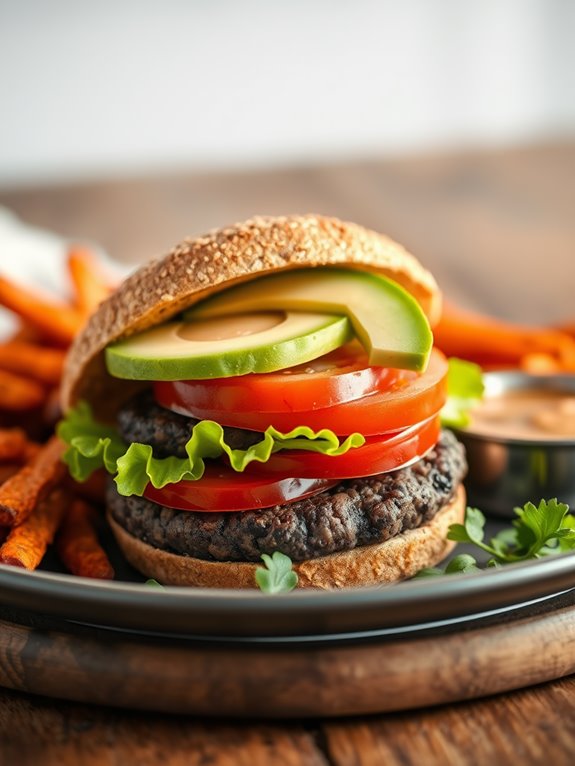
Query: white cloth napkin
(37, 258)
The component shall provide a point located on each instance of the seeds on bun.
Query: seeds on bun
(197, 268)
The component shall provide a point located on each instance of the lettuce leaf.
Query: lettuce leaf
(92, 445)
(464, 390)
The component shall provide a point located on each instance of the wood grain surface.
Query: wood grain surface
(529, 728)
(292, 681)
(498, 230)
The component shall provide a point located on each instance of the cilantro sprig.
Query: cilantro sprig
(539, 530)
(277, 576)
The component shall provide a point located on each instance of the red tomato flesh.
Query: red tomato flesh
(379, 454)
(409, 399)
(265, 485)
(335, 378)
(222, 489)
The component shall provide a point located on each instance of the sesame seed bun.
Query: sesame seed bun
(199, 267)
(396, 559)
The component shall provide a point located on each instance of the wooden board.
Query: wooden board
(288, 681)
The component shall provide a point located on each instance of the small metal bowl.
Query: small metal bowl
(508, 472)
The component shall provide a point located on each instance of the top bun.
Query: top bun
(200, 267)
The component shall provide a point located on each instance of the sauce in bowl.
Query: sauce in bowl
(521, 442)
(533, 415)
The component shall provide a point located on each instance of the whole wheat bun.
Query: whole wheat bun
(396, 559)
(199, 267)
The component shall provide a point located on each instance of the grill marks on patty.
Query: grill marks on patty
(357, 512)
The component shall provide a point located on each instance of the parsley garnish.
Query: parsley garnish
(539, 530)
(153, 583)
(278, 575)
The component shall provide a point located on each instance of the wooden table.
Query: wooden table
(498, 231)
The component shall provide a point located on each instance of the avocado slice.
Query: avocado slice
(388, 321)
(221, 347)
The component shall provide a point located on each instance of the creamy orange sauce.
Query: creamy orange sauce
(535, 415)
(238, 326)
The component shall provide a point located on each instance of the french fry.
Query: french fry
(32, 360)
(78, 546)
(20, 494)
(93, 490)
(90, 284)
(473, 336)
(54, 320)
(540, 364)
(26, 544)
(18, 393)
(13, 444)
(7, 470)
(568, 327)
(25, 333)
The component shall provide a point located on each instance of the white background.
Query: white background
(112, 87)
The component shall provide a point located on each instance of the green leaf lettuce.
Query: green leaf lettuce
(92, 445)
(464, 390)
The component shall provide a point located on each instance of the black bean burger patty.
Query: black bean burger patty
(356, 512)
(142, 420)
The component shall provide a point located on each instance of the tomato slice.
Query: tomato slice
(379, 454)
(411, 398)
(222, 489)
(340, 376)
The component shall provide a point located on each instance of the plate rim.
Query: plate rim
(302, 612)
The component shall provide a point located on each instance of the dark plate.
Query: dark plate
(247, 615)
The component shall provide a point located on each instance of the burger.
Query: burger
(269, 387)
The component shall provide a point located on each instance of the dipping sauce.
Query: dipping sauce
(535, 415)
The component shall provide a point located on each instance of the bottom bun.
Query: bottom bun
(395, 559)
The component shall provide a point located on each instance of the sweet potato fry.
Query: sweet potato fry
(25, 333)
(90, 283)
(55, 320)
(7, 470)
(13, 444)
(568, 327)
(20, 494)
(93, 490)
(472, 336)
(26, 544)
(540, 364)
(78, 546)
(18, 393)
(31, 360)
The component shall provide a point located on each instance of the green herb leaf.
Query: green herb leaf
(278, 575)
(462, 564)
(542, 523)
(472, 529)
(429, 572)
(539, 530)
(153, 583)
(92, 445)
(567, 541)
(464, 390)
(503, 542)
